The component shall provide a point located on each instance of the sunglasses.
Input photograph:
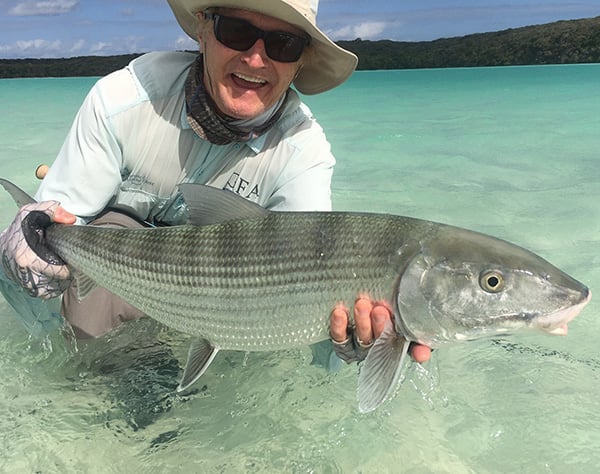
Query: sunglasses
(240, 35)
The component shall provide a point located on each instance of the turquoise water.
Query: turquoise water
(508, 151)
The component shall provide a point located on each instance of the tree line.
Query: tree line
(562, 42)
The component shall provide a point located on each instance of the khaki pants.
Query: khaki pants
(100, 311)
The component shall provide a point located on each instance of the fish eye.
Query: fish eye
(491, 281)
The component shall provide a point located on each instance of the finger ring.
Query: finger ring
(343, 343)
(363, 345)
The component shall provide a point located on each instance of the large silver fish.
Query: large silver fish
(240, 277)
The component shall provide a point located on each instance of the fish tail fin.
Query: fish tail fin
(20, 197)
(200, 355)
(381, 370)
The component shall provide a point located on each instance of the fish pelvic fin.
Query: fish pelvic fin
(20, 197)
(200, 355)
(381, 370)
(208, 205)
(83, 283)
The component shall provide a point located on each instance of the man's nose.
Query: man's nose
(256, 56)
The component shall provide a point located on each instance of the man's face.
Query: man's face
(244, 84)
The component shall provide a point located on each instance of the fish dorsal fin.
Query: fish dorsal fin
(200, 355)
(210, 205)
(19, 196)
(381, 370)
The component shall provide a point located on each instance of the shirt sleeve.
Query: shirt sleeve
(310, 191)
(304, 184)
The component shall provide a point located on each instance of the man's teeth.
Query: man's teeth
(256, 80)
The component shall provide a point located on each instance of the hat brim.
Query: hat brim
(327, 68)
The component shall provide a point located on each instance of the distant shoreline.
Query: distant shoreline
(561, 42)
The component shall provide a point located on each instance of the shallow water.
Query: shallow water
(508, 151)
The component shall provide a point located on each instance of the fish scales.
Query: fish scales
(247, 284)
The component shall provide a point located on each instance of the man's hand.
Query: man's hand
(21, 264)
(369, 321)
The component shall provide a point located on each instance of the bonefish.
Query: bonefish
(239, 277)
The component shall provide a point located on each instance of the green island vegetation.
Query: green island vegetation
(561, 42)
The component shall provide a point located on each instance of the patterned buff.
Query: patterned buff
(207, 122)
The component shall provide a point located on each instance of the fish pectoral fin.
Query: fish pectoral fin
(200, 355)
(84, 284)
(381, 369)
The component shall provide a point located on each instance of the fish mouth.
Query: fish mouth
(556, 323)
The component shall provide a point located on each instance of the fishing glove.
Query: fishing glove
(40, 278)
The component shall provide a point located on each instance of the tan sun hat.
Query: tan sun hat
(324, 70)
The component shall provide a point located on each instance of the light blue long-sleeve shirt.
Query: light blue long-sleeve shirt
(131, 145)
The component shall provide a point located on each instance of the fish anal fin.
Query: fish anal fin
(200, 355)
(381, 370)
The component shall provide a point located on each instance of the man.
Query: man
(226, 117)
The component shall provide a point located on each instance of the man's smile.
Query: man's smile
(247, 81)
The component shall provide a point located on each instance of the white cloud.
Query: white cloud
(184, 42)
(366, 30)
(124, 45)
(369, 29)
(40, 48)
(77, 47)
(49, 7)
(35, 48)
(101, 48)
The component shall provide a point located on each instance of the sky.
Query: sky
(66, 28)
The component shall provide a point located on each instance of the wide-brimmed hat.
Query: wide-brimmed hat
(324, 70)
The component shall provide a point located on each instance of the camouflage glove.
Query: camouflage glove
(40, 278)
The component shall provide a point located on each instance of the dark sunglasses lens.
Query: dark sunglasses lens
(235, 34)
(283, 47)
(240, 35)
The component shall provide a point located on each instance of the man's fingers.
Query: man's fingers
(379, 316)
(62, 216)
(338, 325)
(420, 353)
(362, 321)
(370, 319)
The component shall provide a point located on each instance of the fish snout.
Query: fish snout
(556, 323)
